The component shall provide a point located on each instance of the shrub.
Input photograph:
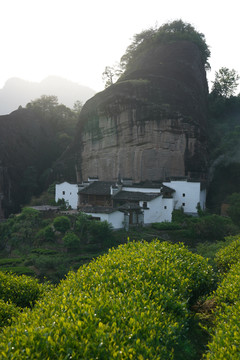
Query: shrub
(30, 214)
(21, 290)
(166, 226)
(93, 231)
(101, 232)
(211, 227)
(7, 312)
(82, 225)
(46, 234)
(226, 334)
(71, 240)
(229, 255)
(129, 304)
(62, 223)
(179, 216)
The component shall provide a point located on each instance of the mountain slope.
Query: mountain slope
(18, 92)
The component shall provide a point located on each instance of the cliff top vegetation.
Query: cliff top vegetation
(169, 32)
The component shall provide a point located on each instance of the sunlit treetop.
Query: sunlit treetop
(225, 83)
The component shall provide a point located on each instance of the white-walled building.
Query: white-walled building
(113, 216)
(67, 192)
(125, 203)
(188, 195)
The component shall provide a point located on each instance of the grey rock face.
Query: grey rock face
(151, 123)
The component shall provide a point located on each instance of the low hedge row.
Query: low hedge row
(229, 255)
(226, 335)
(129, 304)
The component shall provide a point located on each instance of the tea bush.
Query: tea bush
(20, 290)
(226, 337)
(7, 312)
(229, 255)
(129, 304)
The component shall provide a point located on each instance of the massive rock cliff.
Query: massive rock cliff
(151, 123)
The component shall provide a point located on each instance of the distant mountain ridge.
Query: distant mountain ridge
(18, 92)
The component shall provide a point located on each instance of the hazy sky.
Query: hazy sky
(76, 39)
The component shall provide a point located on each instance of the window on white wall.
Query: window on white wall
(165, 207)
(183, 204)
(63, 192)
(145, 204)
(183, 194)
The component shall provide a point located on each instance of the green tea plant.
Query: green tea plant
(20, 290)
(132, 303)
(226, 335)
(229, 255)
(7, 312)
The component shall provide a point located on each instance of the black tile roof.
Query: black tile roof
(98, 188)
(167, 191)
(135, 196)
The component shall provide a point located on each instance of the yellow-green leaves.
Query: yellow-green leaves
(226, 336)
(129, 304)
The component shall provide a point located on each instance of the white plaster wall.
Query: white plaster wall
(159, 210)
(68, 192)
(192, 195)
(115, 219)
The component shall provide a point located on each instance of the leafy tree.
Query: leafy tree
(100, 232)
(62, 223)
(44, 105)
(71, 240)
(77, 107)
(111, 74)
(225, 83)
(46, 234)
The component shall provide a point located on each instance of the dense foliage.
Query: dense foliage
(224, 145)
(229, 255)
(226, 333)
(21, 290)
(225, 83)
(169, 32)
(205, 227)
(130, 304)
(16, 293)
(48, 244)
